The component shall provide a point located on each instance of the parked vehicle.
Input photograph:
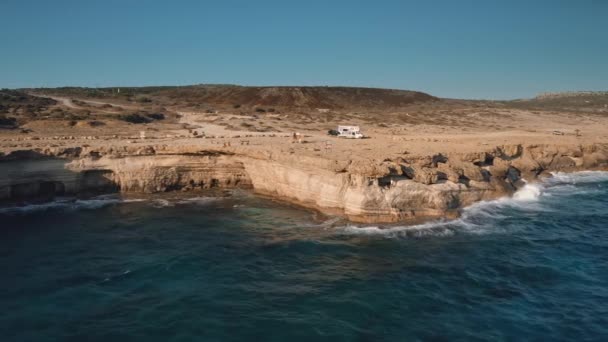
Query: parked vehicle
(349, 132)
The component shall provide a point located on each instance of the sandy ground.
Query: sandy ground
(471, 131)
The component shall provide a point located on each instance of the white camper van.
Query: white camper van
(350, 132)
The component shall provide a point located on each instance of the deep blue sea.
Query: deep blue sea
(533, 267)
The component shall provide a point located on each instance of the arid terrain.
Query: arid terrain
(453, 145)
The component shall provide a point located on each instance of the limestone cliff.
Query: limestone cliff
(388, 190)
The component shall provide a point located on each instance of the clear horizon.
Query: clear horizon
(472, 50)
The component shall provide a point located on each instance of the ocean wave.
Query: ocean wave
(161, 203)
(435, 228)
(199, 200)
(330, 222)
(529, 193)
(72, 204)
(476, 218)
(581, 177)
(68, 204)
(482, 217)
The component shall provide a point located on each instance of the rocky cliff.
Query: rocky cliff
(387, 190)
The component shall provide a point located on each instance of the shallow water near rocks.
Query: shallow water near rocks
(231, 269)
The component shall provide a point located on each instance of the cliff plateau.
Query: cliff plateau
(409, 188)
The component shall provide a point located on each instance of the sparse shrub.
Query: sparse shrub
(134, 118)
(8, 122)
(71, 116)
(57, 114)
(260, 110)
(95, 123)
(236, 106)
(156, 116)
(144, 99)
(139, 118)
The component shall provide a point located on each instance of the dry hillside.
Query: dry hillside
(285, 98)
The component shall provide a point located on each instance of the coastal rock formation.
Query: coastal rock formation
(413, 188)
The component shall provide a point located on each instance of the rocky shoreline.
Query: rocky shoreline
(404, 189)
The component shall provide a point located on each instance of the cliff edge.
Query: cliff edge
(389, 190)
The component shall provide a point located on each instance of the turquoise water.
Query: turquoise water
(235, 269)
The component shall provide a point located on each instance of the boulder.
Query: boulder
(446, 172)
(468, 170)
(499, 168)
(508, 152)
(478, 157)
(562, 163)
(421, 174)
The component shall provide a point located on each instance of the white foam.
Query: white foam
(161, 203)
(581, 177)
(435, 228)
(529, 193)
(199, 200)
(330, 221)
(100, 202)
(478, 218)
(133, 200)
(69, 204)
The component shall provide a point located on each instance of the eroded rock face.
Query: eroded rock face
(100, 172)
(424, 187)
(374, 191)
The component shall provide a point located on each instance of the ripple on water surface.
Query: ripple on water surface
(531, 267)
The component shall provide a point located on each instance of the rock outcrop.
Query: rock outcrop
(413, 188)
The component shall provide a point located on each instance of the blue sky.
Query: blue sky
(460, 49)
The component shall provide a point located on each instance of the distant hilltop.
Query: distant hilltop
(280, 97)
(572, 101)
(557, 95)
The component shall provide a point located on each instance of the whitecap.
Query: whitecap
(477, 218)
(199, 200)
(581, 177)
(577, 183)
(528, 193)
(69, 204)
(434, 228)
(330, 221)
(161, 203)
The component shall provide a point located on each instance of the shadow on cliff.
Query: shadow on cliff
(31, 176)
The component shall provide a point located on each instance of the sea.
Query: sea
(532, 267)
